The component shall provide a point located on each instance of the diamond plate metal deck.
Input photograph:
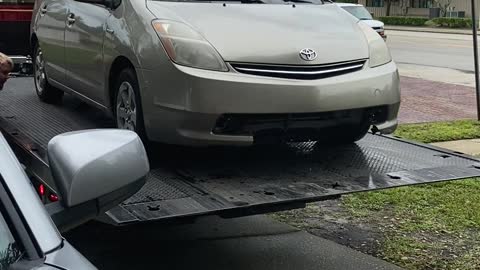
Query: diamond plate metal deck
(231, 181)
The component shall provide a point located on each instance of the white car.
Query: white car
(94, 170)
(362, 14)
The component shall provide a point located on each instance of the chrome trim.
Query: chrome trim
(362, 61)
(18, 59)
(300, 72)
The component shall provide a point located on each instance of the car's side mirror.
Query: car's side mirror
(94, 170)
(114, 4)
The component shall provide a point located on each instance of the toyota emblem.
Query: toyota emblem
(308, 54)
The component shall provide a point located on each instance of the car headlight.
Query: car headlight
(378, 50)
(187, 47)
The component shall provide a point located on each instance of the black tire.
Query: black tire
(351, 133)
(128, 75)
(45, 91)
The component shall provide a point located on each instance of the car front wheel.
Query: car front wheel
(128, 109)
(351, 133)
(46, 92)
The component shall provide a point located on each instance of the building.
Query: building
(417, 8)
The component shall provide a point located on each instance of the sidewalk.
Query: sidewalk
(470, 147)
(429, 29)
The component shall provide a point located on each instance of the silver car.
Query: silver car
(29, 231)
(218, 72)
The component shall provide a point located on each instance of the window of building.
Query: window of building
(421, 3)
(374, 3)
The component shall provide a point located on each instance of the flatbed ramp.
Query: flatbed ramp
(188, 182)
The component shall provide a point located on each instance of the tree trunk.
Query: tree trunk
(389, 3)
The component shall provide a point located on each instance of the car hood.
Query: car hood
(373, 23)
(268, 33)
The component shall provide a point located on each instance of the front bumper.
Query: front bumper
(183, 105)
(382, 34)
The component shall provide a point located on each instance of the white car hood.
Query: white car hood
(373, 23)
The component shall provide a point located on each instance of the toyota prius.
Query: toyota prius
(218, 72)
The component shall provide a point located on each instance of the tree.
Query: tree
(404, 6)
(443, 5)
(389, 4)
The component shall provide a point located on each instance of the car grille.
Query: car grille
(300, 72)
(252, 124)
(377, 28)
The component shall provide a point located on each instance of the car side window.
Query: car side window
(10, 251)
(116, 3)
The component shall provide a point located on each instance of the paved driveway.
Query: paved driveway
(428, 101)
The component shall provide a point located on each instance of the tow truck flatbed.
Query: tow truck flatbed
(189, 182)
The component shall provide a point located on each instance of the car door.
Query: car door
(28, 236)
(50, 30)
(84, 37)
(10, 250)
(19, 249)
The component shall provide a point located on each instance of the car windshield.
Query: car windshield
(315, 2)
(359, 11)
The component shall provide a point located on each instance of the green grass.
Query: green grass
(434, 226)
(448, 207)
(440, 131)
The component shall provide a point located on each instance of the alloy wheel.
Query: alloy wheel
(40, 77)
(126, 108)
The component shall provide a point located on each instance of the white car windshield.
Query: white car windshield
(359, 12)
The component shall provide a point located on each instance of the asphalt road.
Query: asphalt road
(212, 243)
(432, 49)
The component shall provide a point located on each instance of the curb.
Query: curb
(428, 31)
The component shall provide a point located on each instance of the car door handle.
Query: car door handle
(71, 19)
(43, 10)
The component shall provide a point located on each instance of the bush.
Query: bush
(452, 22)
(420, 21)
(412, 21)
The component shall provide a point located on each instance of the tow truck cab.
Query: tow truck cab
(15, 17)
